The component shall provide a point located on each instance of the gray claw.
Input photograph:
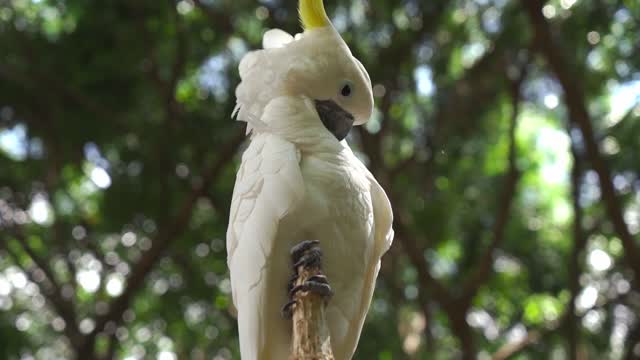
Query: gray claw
(298, 250)
(319, 279)
(322, 289)
(312, 257)
(307, 254)
(287, 311)
(292, 282)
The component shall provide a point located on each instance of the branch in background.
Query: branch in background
(372, 145)
(533, 336)
(52, 293)
(159, 245)
(54, 86)
(221, 20)
(91, 245)
(450, 305)
(112, 347)
(403, 166)
(166, 87)
(59, 239)
(85, 345)
(182, 50)
(453, 110)
(416, 256)
(633, 340)
(482, 270)
(579, 116)
(513, 348)
(185, 264)
(58, 234)
(579, 242)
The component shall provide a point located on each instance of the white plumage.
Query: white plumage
(298, 182)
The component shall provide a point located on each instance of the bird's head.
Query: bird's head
(326, 72)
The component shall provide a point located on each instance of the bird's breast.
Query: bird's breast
(338, 202)
(337, 210)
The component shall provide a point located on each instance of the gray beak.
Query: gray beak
(335, 119)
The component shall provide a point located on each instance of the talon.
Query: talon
(312, 258)
(306, 254)
(298, 250)
(287, 311)
(319, 279)
(319, 288)
(292, 282)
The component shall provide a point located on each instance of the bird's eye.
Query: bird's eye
(347, 89)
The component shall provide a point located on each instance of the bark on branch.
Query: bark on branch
(311, 340)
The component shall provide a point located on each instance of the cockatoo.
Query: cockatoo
(299, 180)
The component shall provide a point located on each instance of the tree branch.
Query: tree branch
(310, 339)
(454, 307)
(513, 348)
(112, 347)
(425, 279)
(579, 242)
(55, 86)
(164, 239)
(633, 339)
(52, 293)
(482, 270)
(220, 19)
(579, 115)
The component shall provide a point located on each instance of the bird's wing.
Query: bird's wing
(383, 218)
(382, 212)
(269, 185)
(383, 237)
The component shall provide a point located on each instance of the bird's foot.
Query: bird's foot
(299, 250)
(317, 284)
(307, 259)
(287, 309)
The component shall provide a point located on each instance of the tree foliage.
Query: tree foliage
(506, 133)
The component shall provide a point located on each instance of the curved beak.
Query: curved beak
(338, 121)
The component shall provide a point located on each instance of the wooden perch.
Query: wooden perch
(311, 340)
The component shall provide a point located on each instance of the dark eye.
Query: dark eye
(347, 89)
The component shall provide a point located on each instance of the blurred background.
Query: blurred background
(506, 133)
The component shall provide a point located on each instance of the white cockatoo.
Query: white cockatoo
(299, 180)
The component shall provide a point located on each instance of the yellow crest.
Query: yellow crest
(312, 14)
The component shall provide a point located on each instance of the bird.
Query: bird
(299, 181)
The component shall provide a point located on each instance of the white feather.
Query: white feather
(276, 38)
(268, 185)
